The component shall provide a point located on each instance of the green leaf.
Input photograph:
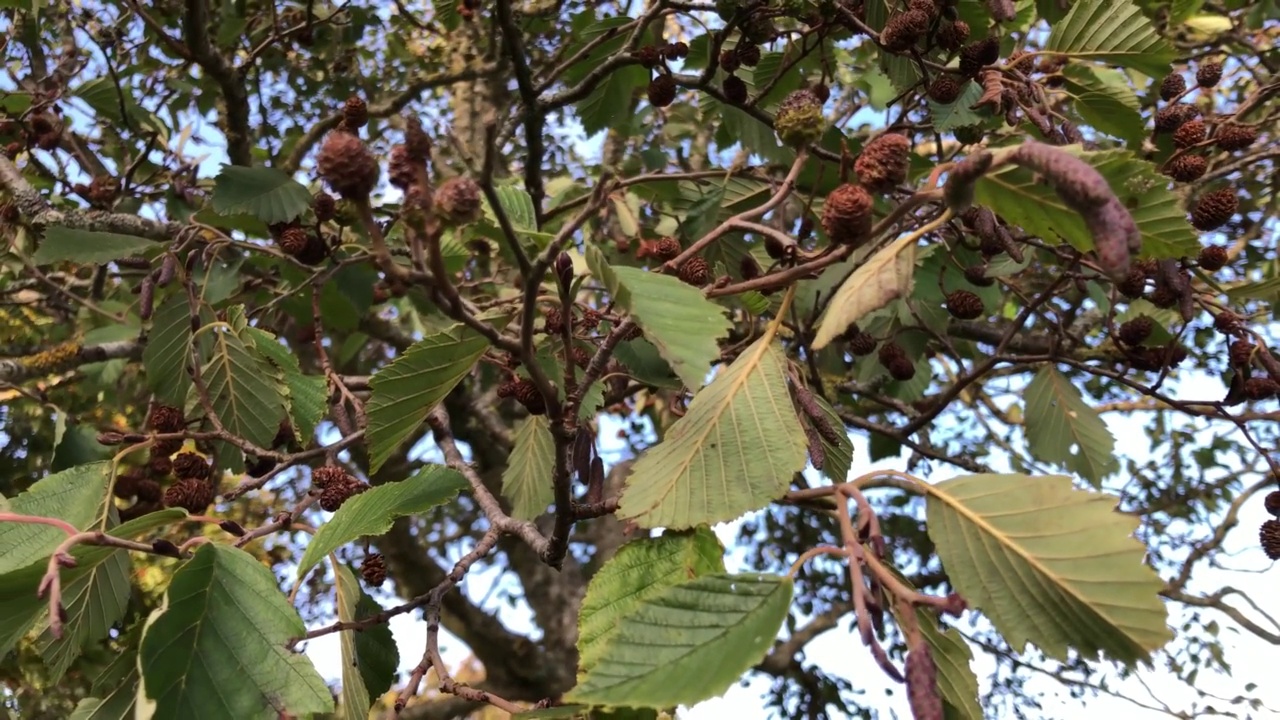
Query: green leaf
(168, 350)
(1049, 564)
(687, 643)
(679, 321)
(952, 655)
(244, 388)
(645, 363)
(265, 193)
(218, 646)
(1105, 100)
(958, 113)
(404, 392)
(882, 278)
(84, 246)
(606, 105)
(1113, 32)
(1063, 429)
(734, 451)
(641, 569)
(1020, 198)
(372, 511)
(526, 481)
(370, 656)
(75, 496)
(308, 394)
(518, 206)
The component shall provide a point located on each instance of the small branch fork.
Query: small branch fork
(862, 546)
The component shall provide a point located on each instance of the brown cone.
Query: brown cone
(846, 214)
(347, 166)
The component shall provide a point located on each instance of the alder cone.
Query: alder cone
(975, 56)
(526, 393)
(1260, 388)
(846, 214)
(355, 113)
(977, 275)
(861, 342)
(1240, 352)
(315, 251)
(902, 31)
(668, 248)
(374, 569)
(166, 419)
(730, 61)
(964, 305)
(662, 91)
(294, 240)
(401, 168)
(1209, 74)
(1172, 117)
(945, 89)
(1190, 133)
(458, 200)
(748, 54)
(324, 206)
(1214, 209)
(735, 89)
(347, 166)
(148, 491)
(883, 163)
(1187, 168)
(695, 271)
(952, 36)
(190, 466)
(1269, 538)
(799, 121)
(327, 475)
(1134, 331)
(194, 496)
(1172, 86)
(1212, 258)
(1234, 136)
(1272, 502)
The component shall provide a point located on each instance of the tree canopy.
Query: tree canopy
(954, 318)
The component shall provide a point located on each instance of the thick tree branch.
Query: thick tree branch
(235, 114)
(63, 358)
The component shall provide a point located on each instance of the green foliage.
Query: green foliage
(733, 452)
(372, 512)
(168, 351)
(218, 642)
(369, 657)
(681, 324)
(1111, 31)
(265, 193)
(1074, 577)
(407, 389)
(687, 643)
(527, 481)
(61, 243)
(1063, 429)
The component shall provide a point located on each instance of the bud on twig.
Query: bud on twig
(564, 270)
(232, 527)
(164, 547)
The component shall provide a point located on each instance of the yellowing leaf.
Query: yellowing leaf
(734, 451)
(1049, 564)
(883, 278)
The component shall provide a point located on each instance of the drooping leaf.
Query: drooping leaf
(518, 207)
(85, 246)
(882, 278)
(369, 657)
(308, 395)
(687, 643)
(956, 680)
(1049, 564)
(406, 390)
(1062, 428)
(645, 363)
(1114, 32)
(734, 451)
(245, 389)
(219, 644)
(265, 193)
(839, 455)
(168, 350)
(372, 511)
(1018, 196)
(526, 481)
(679, 321)
(1104, 98)
(600, 109)
(641, 569)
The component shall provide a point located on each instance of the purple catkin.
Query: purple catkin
(1115, 235)
(962, 178)
(922, 684)
(1076, 181)
(1001, 10)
